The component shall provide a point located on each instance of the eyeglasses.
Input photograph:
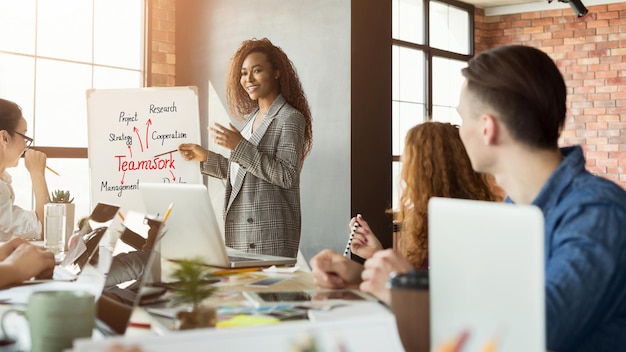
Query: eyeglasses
(27, 139)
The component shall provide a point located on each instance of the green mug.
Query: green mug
(56, 318)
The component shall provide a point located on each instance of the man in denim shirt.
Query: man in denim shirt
(513, 109)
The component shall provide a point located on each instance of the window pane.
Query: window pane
(118, 29)
(395, 72)
(61, 108)
(447, 81)
(110, 78)
(17, 26)
(449, 28)
(396, 169)
(446, 114)
(18, 83)
(408, 21)
(74, 178)
(408, 75)
(64, 29)
(404, 117)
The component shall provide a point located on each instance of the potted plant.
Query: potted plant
(64, 197)
(190, 289)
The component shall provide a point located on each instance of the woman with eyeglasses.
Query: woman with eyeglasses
(15, 221)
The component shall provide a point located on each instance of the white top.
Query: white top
(246, 133)
(15, 221)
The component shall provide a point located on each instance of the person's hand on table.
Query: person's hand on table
(9, 246)
(364, 243)
(331, 270)
(27, 260)
(377, 270)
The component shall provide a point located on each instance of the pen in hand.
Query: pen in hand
(51, 170)
(171, 151)
(354, 227)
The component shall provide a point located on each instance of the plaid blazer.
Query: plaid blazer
(262, 208)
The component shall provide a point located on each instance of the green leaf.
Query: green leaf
(191, 285)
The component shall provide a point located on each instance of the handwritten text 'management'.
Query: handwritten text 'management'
(149, 164)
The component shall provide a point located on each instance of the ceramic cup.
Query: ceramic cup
(56, 318)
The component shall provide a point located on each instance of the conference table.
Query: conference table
(233, 284)
(358, 327)
(365, 325)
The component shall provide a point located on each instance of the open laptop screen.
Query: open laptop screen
(486, 274)
(192, 230)
(132, 266)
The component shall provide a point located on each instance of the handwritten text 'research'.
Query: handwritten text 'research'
(159, 109)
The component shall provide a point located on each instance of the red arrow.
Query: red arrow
(123, 175)
(173, 176)
(138, 137)
(130, 151)
(148, 124)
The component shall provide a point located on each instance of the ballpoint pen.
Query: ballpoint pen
(354, 227)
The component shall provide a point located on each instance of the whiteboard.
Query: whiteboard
(128, 128)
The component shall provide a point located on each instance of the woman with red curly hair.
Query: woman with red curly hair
(434, 164)
(262, 203)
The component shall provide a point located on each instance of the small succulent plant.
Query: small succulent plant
(59, 196)
(192, 286)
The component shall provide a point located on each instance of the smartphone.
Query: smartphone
(305, 297)
(268, 281)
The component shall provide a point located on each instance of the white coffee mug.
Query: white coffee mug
(56, 318)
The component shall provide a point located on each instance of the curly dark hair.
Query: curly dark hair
(435, 164)
(239, 101)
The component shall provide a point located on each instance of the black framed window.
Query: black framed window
(53, 51)
(431, 42)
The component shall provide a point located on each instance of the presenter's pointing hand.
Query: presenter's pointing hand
(192, 152)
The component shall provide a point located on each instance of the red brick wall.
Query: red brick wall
(591, 53)
(162, 46)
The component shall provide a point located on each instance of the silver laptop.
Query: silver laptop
(487, 274)
(191, 229)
